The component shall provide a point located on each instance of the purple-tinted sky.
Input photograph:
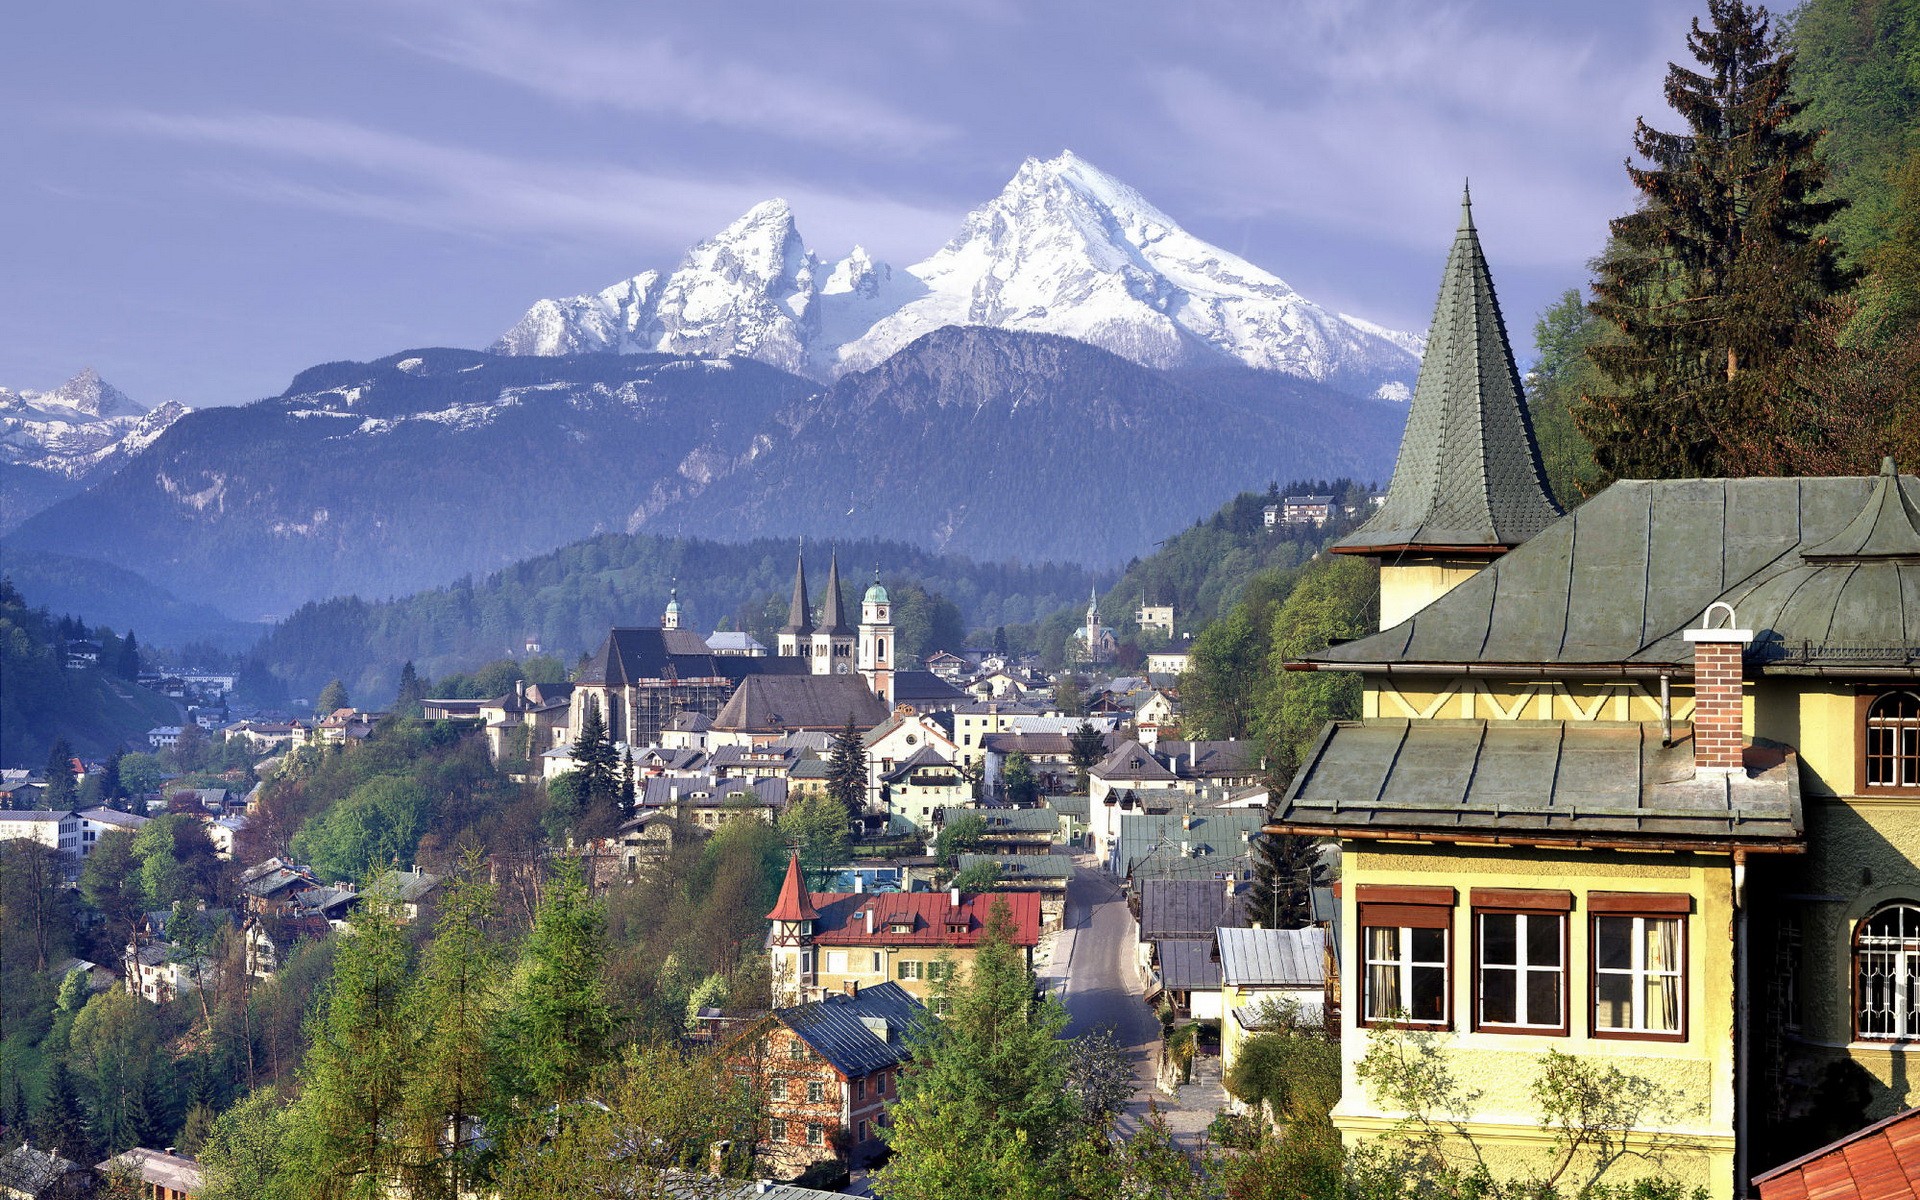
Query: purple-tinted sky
(202, 198)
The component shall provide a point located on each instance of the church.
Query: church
(641, 676)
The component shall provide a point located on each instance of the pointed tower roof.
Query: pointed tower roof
(799, 612)
(795, 903)
(1469, 478)
(1887, 528)
(833, 618)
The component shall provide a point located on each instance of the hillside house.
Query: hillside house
(55, 828)
(916, 792)
(826, 942)
(829, 1068)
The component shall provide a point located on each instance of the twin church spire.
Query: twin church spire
(832, 646)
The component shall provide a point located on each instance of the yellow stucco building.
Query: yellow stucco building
(1638, 784)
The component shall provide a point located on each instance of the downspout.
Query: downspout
(1742, 1022)
(1666, 710)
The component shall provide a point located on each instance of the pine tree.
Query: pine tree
(1716, 279)
(593, 756)
(1285, 871)
(406, 700)
(332, 697)
(455, 1005)
(629, 794)
(985, 1105)
(60, 775)
(128, 664)
(1086, 747)
(558, 1026)
(112, 789)
(61, 1122)
(347, 1130)
(847, 771)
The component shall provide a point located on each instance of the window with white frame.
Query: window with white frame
(816, 1091)
(816, 1134)
(1522, 969)
(1886, 959)
(1639, 974)
(777, 1130)
(1406, 974)
(777, 1089)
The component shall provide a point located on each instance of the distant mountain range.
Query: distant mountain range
(388, 477)
(52, 444)
(1064, 249)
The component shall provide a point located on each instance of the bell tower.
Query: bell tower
(670, 619)
(796, 637)
(876, 640)
(791, 944)
(832, 637)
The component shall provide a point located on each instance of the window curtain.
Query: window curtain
(1663, 956)
(1383, 973)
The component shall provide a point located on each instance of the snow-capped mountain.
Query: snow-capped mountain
(75, 429)
(754, 289)
(1064, 249)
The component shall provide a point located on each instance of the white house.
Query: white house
(58, 828)
(97, 821)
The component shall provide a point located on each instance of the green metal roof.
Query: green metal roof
(1553, 780)
(1614, 583)
(1469, 473)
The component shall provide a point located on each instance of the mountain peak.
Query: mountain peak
(88, 393)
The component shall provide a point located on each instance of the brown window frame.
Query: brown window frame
(1404, 906)
(1862, 706)
(1527, 902)
(1658, 905)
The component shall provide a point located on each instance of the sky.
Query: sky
(200, 199)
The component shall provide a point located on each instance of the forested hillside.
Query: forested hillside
(567, 600)
(98, 709)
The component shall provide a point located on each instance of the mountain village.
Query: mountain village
(1535, 823)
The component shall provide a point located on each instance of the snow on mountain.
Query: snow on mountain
(1064, 249)
(78, 427)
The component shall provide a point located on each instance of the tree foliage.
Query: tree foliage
(1715, 279)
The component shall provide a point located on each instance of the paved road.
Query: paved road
(1103, 992)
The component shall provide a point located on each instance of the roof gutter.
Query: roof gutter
(1536, 842)
(1541, 670)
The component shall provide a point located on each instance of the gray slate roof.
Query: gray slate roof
(1616, 581)
(638, 654)
(1187, 964)
(920, 759)
(1542, 780)
(834, 1029)
(768, 702)
(1149, 844)
(1132, 762)
(1017, 820)
(1016, 867)
(1469, 472)
(1187, 908)
(1278, 958)
(924, 688)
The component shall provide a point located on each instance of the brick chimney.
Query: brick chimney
(1719, 685)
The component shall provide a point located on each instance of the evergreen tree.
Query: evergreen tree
(593, 757)
(347, 1131)
(1285, 871)
(127, 662)
(112, 790)
(847, 771)
(412, 690)
(1018, 780)
(558, 1026)
(1718, 276)
(61, 1122)
(332, 697)
(985, 1107)
(455, 1005)
(60, 775)
(1086, 747)
(629, 794)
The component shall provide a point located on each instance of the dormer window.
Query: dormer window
(1890, 750)
(900, 927)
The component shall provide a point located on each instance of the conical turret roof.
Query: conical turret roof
(833, 617)
(800, 611)
(795, 902)
(1468, 478)
(1887, 528)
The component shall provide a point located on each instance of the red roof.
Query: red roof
(1881, 1162)
(933, 918)
(795, 903)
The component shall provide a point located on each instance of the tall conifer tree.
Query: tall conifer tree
(1719, 273)
(847, 770)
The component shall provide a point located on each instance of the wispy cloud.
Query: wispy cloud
(1373, 116)
(399, 179)
(661, 78)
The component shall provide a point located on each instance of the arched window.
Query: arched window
(1893, 741)
(1886, 971)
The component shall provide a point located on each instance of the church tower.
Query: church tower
(670, 619)
(1468, 485)
(876, 640)
(791, 944)
(833, 637)
(797, 637)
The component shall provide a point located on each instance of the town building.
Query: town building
(828, 1068)
(828, 942)
(1267, 974)
(1296, 511)
(155, 1174)
(57, 829)
(1636, 784)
